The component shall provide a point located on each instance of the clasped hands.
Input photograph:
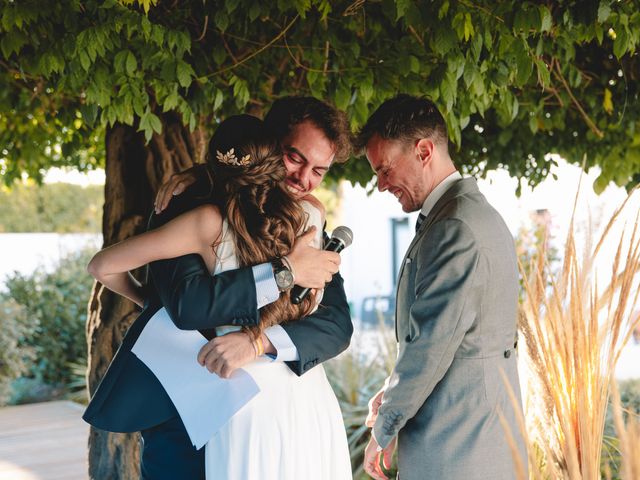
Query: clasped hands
(373, 452)
(223, 355)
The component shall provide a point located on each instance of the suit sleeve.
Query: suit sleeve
(195, 299)
(326, 332)
(447, 260)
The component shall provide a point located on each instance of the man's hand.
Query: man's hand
(172, 187)
(223, 355)
(312, 268)
(374, 406)
(371, 462)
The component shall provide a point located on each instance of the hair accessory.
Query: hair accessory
(230, 158)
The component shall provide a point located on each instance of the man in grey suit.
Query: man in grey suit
(456, 312)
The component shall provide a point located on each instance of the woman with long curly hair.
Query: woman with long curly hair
(292, 428)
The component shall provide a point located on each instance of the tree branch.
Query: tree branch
(353, 8)
(299, 64)
(204, 29)
(415, 34)
(482, 9)
(558, 73)
(326, 57)
(228, 49)
(257, 52)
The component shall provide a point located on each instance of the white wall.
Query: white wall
(367, 265)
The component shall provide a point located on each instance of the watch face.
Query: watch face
(284, 279)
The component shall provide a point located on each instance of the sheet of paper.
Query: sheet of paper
(204, 401)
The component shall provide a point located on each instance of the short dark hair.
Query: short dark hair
(405, 118)
(287, 112)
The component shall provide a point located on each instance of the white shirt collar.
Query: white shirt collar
(437, 192)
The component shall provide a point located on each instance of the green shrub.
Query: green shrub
(630, 401)
(356, 376)
(55, 207)
(55, 305)
(32, 390)
(14, 356)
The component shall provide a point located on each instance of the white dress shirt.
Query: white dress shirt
(267, 292)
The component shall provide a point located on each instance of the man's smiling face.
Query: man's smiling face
(399, 171)
(308, 154)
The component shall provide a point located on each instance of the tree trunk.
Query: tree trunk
(134, 171)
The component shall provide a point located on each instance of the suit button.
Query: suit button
(507, 353)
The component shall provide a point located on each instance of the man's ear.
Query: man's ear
(425, 149)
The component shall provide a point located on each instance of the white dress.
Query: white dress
(292, 429)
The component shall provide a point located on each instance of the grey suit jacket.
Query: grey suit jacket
(456, 314)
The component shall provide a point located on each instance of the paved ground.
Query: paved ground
(43, 441)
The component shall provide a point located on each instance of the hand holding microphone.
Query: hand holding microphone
(340, 239)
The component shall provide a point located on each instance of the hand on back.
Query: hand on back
(177, 183)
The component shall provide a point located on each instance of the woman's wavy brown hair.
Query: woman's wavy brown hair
(263, 216)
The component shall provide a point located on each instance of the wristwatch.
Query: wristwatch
(283, 275)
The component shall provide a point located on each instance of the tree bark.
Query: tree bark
(134, 172)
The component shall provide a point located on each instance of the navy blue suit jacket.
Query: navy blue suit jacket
(130, 398)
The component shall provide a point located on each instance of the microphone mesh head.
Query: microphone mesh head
(344, 234)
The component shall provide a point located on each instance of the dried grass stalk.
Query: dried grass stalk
(573, 336)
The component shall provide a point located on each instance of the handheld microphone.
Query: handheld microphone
(341, 238)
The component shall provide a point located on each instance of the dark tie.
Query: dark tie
(421, 218)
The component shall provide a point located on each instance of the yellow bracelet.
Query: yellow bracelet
(259, 346)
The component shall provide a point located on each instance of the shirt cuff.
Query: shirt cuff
(286, 351)
(266, 288)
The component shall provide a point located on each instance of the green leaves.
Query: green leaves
(184, 72)
(401, 7)
(621, 42)
(131, 63)
(604, 11)
(120, 61)
(221, 20)
(486, 63)
(448, 90)
(546, 21)
(240, 91)
(150, 123)
(342, 96)
(544, 77)
(171, 101)
(145, 4)
(524, 67)
(12, 42)
(463, 26)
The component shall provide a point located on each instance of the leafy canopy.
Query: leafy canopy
(516, 80)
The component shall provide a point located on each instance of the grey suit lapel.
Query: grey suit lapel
(461, 187)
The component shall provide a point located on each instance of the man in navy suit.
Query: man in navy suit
(129, 398)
